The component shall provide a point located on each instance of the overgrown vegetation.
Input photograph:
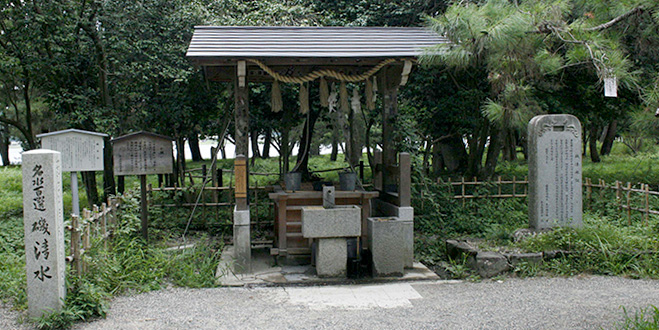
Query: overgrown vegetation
(130, 266)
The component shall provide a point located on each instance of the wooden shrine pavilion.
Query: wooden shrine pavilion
(374, 56)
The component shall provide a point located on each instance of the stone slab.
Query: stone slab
(264, 272)
(381, 208)
(458, 249)
(515, 259)
(44, 231)
(554, 172)
(386, 238)
(489, 264)
(81, 150)
(332, 257)
(341, 221)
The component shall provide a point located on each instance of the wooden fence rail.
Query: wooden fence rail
(97, 222)
(623, 192)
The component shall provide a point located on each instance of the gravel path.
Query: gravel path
(537, 303)
(9, 319)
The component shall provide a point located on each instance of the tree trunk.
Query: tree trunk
(592, 143)
(254, 137)
(437, 161)
(4, 145)
(89, 178)
(108, 170)
(267, 142)
(193, 141)
(121, 184)
(302, 165)
(610, 136)
(496, 140)
(476, 150)
(180, 159)
(426, 156)
(335, 139)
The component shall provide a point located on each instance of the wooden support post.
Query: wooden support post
(86, 236)
(75, 244)
(514, 186)
(462, 196)
(647, 203)
(241, 120)
(629, 210)
(160, 179)
(213, 173)
(377, 170)
(499, 185)
(404, 180)
(281, 225)
(144, 208)
(256, 203)
(104, 225)
(389, 81)
(240, 171)
(203, 172)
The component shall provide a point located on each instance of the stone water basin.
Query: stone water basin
(340, 221)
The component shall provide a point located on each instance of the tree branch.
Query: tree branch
(616, 20)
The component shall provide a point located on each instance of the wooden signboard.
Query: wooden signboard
(143, 153)
(240, 168)
(81, 150)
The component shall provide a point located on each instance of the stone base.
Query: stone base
(386, 238)
(242, 241)
(331, 257)
(406, 215)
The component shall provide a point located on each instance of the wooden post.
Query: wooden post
(450, 187)
(647, 203)
(499, 183)
(203, 172)
(240, 171)
(256, 203)
(377, 170)
(75, 244)
(389, 80)
(213, 174)
(589, 191)
(404, 180)
(241, 99)
(85, 238)
(104, 225)
(463, 190)
(145, 208)
(629, 210)
(514, 186)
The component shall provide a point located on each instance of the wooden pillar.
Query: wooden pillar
(240, 170)
(404, 180)
(389, 80)
(241, 113)
(241, 120)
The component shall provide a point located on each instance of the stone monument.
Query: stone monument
(554, 149)
(44, 231)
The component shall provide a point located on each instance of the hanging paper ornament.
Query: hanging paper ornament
(333, 99)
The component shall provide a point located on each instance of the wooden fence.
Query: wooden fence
(625, 193)
(98, 222)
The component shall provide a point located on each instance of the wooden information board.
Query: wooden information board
(143, 153)
(81, 150)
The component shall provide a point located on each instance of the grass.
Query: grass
(643, 319)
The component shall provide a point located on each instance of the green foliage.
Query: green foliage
(643, 319)
(11, 192)
(12, 262)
